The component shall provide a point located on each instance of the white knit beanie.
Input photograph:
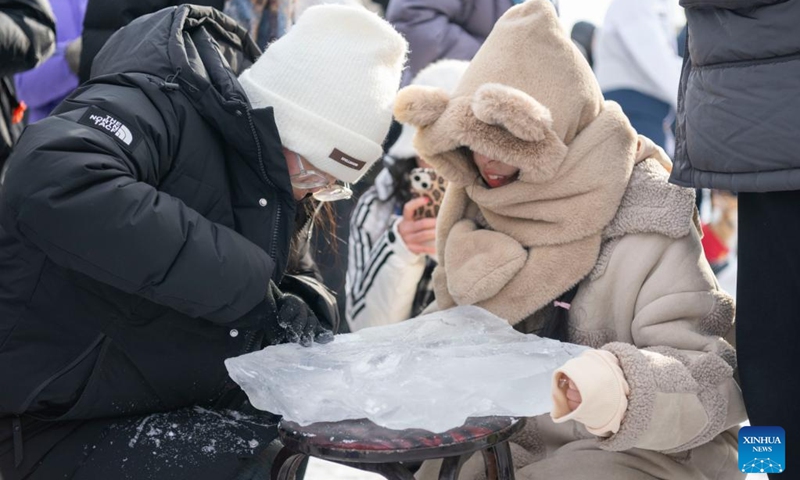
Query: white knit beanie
(331, 80)
(444, 74)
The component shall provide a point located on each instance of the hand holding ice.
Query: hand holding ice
(431, 372)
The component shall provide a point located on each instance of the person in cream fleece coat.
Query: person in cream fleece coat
(551, 191)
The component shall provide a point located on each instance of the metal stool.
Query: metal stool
(362, 444)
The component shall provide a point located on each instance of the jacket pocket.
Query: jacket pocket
(55, 395)
(114, 388)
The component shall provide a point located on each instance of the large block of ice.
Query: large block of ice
(431, 372)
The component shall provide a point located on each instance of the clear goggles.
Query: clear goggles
(326, 189)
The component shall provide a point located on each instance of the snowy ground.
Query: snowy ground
(322, 470)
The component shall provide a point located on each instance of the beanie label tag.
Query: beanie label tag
(346, 160)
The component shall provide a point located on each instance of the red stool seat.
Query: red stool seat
(363, 444)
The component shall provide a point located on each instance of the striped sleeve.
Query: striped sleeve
(382, 274)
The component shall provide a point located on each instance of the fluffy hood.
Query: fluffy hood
(528, 99)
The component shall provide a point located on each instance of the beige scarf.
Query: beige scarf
(530, 100)
(543, 238)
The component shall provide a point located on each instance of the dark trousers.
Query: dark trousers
(191, 444)
(646, 114)
(768, 314)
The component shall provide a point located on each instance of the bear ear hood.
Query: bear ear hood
(520, 114)
(527, 93)
(420, 106)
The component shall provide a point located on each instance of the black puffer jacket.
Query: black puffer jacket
(27, 37)
(737, 111)
(104, 17)
(139, 225)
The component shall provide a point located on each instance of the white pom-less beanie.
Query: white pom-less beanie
(444, 74)
(331, 81)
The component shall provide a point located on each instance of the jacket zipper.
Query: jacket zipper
(251, 340)
(274, 245)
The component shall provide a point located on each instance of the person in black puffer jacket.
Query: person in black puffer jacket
(27, 38)
(146, 228)
(737, 130)
(104, 17)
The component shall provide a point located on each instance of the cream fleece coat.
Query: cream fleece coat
(581, 213)
(653, 302)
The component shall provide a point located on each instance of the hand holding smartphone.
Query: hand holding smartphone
(426, 183)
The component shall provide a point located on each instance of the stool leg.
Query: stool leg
(286, 464)
(499, 464)
(451, 467)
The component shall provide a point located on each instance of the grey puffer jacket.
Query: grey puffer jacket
(737, 127)
(437, 29)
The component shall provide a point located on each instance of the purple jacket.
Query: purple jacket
(437, 29)
(44, 87)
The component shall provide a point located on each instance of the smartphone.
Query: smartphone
(425, 182)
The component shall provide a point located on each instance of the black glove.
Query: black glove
(319, 297)
(294, 321)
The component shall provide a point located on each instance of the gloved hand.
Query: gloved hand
(294, 321)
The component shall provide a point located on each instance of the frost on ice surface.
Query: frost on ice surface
(431, 372)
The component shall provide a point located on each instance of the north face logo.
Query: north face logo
(127, 136)
(114, 126)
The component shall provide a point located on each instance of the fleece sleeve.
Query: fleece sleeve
(680, 370)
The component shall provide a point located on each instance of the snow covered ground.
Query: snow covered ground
(322, 470)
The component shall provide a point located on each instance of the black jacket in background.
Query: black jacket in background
(27, 38)
(104, 17)
(139, 225)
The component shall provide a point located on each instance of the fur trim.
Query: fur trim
(512, 109)
(591, 338)
(641, 400)
(668, 370)
(726, 352)
(710, 371)
(444, 74)
(719, 320)
(653, 205)
(419, 105)
(440, 144)
(650, 205)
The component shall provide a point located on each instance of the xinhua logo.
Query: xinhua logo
(762, 450)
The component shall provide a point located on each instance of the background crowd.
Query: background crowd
(727, 136)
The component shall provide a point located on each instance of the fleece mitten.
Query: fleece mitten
(480, 262)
